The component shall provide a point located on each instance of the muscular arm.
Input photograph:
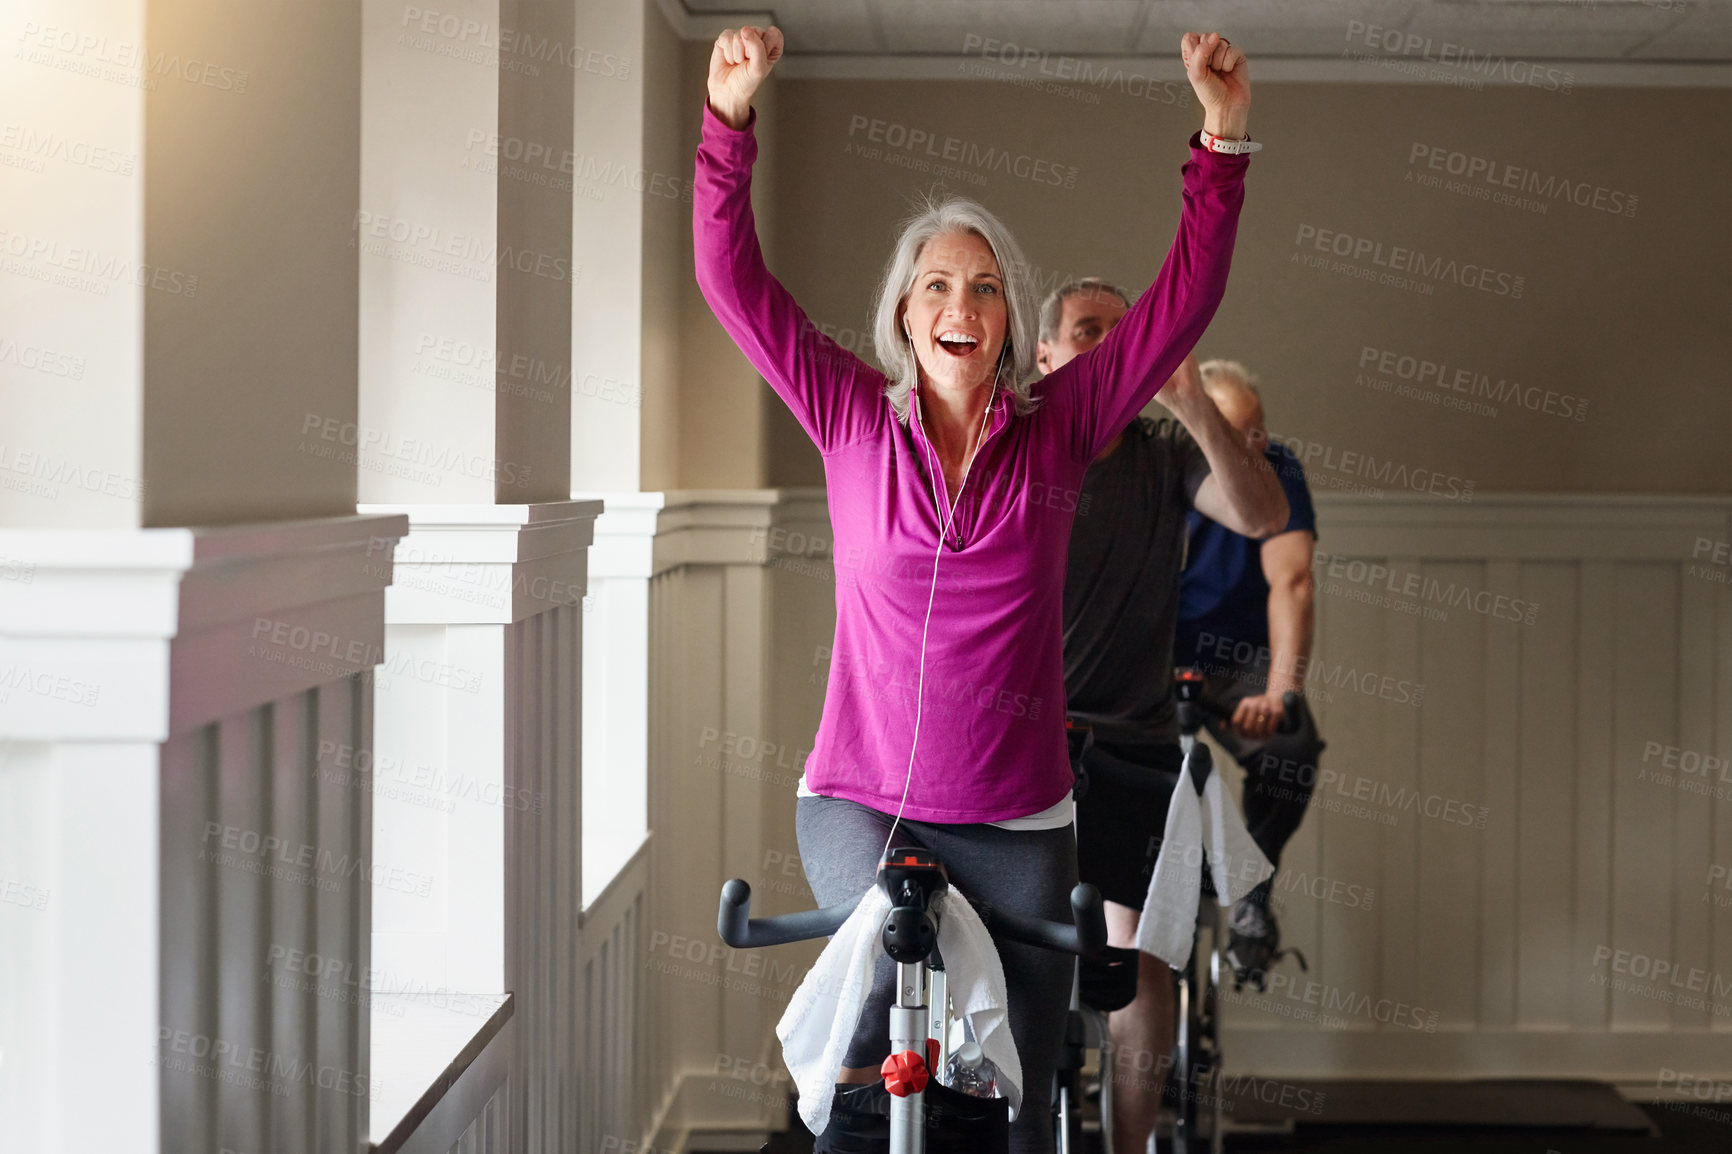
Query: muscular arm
(1241, 490)
(1287, 568)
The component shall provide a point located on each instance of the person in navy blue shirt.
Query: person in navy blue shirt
(1246, 621)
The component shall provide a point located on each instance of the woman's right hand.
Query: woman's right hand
(738, 64)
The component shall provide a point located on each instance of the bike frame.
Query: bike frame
(912, 877)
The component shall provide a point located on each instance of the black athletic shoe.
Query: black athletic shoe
(1254, 943)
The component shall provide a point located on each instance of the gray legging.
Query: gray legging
(1027, 872)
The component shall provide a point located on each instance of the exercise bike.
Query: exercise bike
(919, 1107)
(1197, 1057)
(1192, 1088)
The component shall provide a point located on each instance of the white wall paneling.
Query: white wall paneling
(1564, 650)
(481, 792)
(741, 600)
(172, 696)
(616, 686)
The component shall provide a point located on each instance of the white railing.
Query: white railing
(170, 788)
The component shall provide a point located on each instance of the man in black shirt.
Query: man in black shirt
(1120, 609)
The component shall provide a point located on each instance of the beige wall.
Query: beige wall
(665, 221)
(1625, 312)
(534, 309)
(250, 180)
(704, 408)
(181, 290)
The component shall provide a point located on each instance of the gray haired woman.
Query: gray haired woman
(943, 721)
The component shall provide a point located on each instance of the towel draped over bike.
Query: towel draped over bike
(824, 1012)
(1235, 863)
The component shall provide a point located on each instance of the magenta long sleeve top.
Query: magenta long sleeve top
(991, 743)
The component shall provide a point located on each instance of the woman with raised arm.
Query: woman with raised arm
(951, 478)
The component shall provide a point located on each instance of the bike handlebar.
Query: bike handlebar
(1087, 935)
(739, 929)
(1220, 709)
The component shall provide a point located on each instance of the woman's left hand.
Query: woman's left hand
(1221, 77)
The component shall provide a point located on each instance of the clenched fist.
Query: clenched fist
(738, 64)
(1221, 78)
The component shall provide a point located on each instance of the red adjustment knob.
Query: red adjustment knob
(904, 1073)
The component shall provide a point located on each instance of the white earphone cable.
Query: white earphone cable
(948, 518)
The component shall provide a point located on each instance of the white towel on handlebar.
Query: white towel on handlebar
(1170, 911)
(824, 1012)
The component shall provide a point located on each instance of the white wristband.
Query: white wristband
(1225, 146)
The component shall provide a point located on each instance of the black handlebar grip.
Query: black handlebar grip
(733, 920)
(1091, 920)
(1289, 713)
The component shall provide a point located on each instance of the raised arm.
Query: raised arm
(1106, 387)
(1241, 491)
(832, 392)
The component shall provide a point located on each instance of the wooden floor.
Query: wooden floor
(1695, 1129)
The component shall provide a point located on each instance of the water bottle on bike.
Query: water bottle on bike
(970, 1072)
